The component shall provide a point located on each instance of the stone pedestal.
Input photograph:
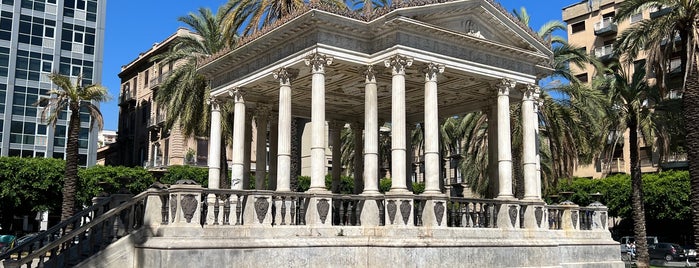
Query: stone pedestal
(434, 212)
(508, 216)
(370, 211)
(399, 210)
(599, 216)
(534, 215)
(153, 216)
(571, 216)
(319, 211)
(258, 210)
(185, 208)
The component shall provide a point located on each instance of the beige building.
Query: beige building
(591, 26)
(143, 141)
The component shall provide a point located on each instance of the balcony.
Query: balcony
(605, 27)
(675, 161)
(156, 121)
(605, 53)
(126, 96)
(156, 81)
(614, 165)
(660, 13)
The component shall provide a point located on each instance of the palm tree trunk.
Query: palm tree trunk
(690, 97)
(71, 172)
(638, 212)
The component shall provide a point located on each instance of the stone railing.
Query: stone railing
(188, 204)
(89, 231)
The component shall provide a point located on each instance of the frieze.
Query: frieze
(323, 208)
(439, 212)
(391, 207)
(405, 208)
(261, 206)
(513, 215)
(189, 206)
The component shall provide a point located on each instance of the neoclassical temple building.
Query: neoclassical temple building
(411, 63)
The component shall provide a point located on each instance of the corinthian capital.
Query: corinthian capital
(214, 102)
(237, 94)
(318, 61)
(504, 86)
(369, 74)
(285, 75)
(431, 70)
(398, 63)
(530, 92)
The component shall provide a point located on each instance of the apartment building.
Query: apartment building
(142, 139)
(38, 37)
(591, 27)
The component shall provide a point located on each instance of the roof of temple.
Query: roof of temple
(358, 15)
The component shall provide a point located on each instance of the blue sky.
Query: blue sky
(134, 26)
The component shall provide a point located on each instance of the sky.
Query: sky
(134, 26)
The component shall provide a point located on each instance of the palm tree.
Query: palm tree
(75, 97)
(185, 92)
(657, 37)
(630, 100)
(256, 14)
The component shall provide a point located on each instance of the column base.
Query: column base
(508, 216)
(435, 213)
(319, 211)
(534, 215)
(399, 209)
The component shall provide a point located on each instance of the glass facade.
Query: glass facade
(38, 37)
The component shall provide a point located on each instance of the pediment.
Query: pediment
(478, 18)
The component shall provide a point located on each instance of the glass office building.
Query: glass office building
(38, 37)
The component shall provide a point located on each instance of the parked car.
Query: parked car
(691, 252)
(666, 251)
(7, 242)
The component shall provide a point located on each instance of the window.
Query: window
(578, 27)
(636, 17)
(582, 77)
(32, 30)
(608, 15)
(5, 25)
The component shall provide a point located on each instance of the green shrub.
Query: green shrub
(175, 173)
(93, 179)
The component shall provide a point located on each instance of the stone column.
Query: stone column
(529, 143)
(504, 139)
(214, 157)
(335, 132)
(432, 165)
(537, 104)
(410, 155)
(273, 136)
(398, 64)
(285, 75)
(238, 158)
(261, 146)
(357, 130)
(371, 136)
(317, 62)
(248, 149)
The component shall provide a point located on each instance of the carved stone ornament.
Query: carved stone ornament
(189, 206)
(391, 207)
(603, 219)
(285, 75)
(504, 86)
(530, 92)
(323, 208)
(574, 218)
(369, 74)
(513, 214)
(405, 211)
(439, 211)
(215, 103)
(398, 63)
(539, 215)
(173, 207)
(431, 70)
(261, 206)
(317, 62)
(238, 94)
